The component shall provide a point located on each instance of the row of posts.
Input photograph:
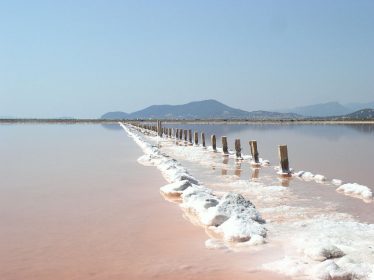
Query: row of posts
(186, 135)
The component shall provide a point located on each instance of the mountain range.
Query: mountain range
(206, 109)
(212, 109)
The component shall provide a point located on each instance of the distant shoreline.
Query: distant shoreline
(212, 121)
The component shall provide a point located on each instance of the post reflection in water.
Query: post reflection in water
(224, 166)
(285, 181)
(255, 173)
(238, 168)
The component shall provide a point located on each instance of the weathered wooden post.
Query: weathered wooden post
(214, 142)
(159, 128)
(254, 151)
(283, 156)
(196, 138)
(170, 132)
(185, 135)
(203, 139)
(238, 148)
(225, 148)
(177, 134)
(190, 136)
(180, 134)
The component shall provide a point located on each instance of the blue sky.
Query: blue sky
(84, 58)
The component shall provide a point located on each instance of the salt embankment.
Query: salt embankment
(230, 215)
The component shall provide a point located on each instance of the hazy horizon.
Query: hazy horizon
(85, 58)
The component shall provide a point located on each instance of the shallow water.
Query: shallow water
(75, 204)
(336, 151)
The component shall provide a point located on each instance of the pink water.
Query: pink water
(75, 204)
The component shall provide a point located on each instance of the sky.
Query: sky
(77, 58)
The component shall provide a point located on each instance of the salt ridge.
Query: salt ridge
(231, 215)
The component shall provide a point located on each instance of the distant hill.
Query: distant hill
(365, 114)
(329, 109)
(321, 110)
(359, 106)
(206, 109)
(115, 115)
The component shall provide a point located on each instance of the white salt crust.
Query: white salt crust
(356, 190)
(230, 215)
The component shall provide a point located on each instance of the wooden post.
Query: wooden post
(238, 148)
(214, 142)
(159, 128)
(170, 132)
(190, 136)
(254, 151)
(225, 148)
(180, 134)
(203, 139)
(196, 138)
(185, 135)
(177, 134)
(283, 156)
